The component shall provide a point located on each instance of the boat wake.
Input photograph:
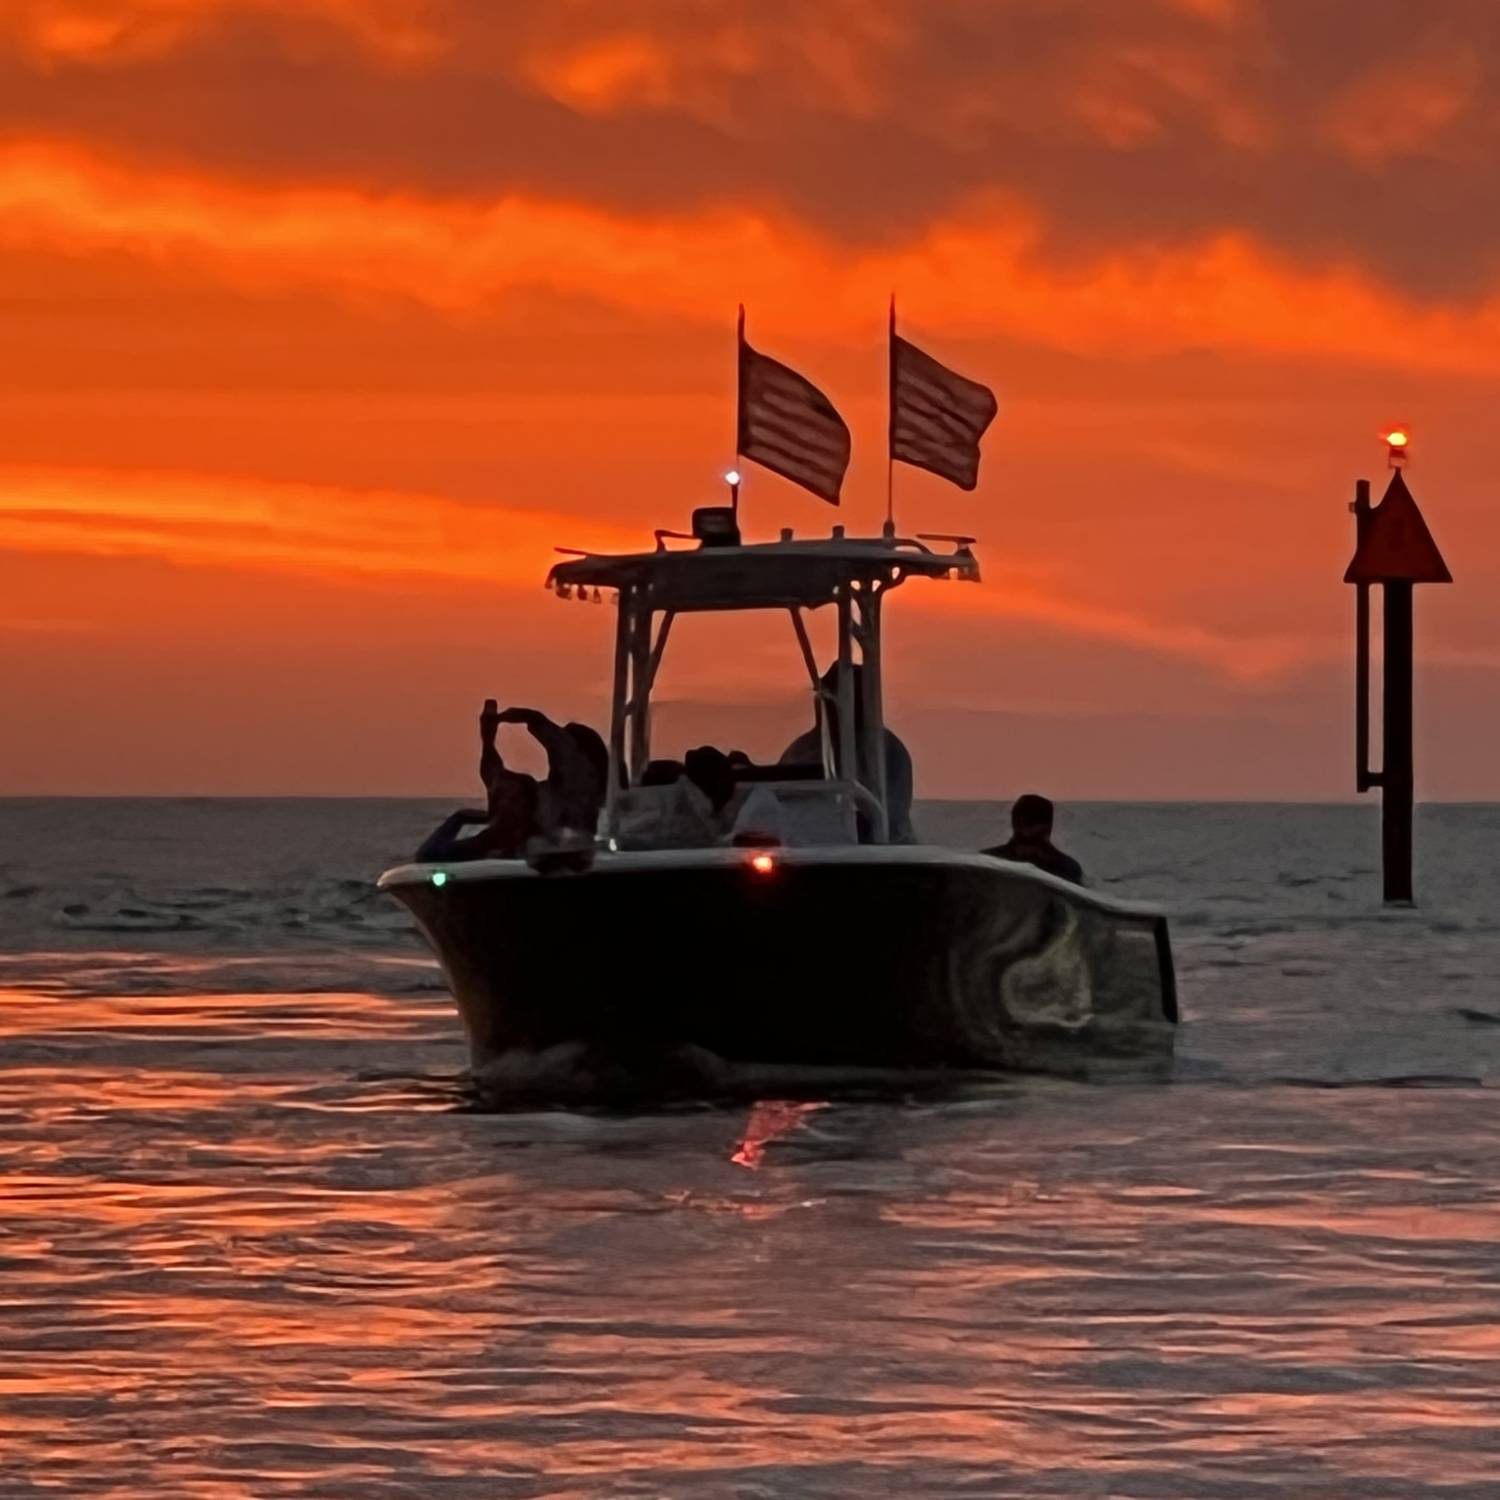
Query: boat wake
(582, 1073)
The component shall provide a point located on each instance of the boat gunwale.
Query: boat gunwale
(609, 862)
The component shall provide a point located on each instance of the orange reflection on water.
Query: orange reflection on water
(240, 1266)
(168, 1017)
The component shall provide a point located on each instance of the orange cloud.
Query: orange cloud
(983, 271)
(1404, 108)
(1219, 12)
(835, 52)
(1248, 658)
(633, 69)
(201, 520)
(205, 520)
(1128, 96)
(1115, 118)
(116, 31)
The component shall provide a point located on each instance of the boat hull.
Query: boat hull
(868, 958)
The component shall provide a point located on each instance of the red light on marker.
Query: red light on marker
(762, 864)
(1399, 438)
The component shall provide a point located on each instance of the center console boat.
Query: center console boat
(786, 928)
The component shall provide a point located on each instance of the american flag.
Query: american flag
(790, 426)
(937, 416)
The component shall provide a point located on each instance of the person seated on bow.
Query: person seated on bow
(518, 808)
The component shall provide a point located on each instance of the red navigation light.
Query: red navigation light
(762, 864)
(1398, 438)
(1396, 441)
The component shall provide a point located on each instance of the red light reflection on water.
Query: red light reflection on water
(769, 1120)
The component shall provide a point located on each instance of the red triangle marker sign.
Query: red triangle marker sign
(1397, 547)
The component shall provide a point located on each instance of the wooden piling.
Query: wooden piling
(1396, 777)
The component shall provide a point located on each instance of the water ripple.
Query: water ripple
(256, 1240)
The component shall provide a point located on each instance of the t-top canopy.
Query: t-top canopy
(767, 575)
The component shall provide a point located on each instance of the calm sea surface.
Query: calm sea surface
(256, 1241)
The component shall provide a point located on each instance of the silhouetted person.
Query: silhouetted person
(509, 821)
(807, 749)
(577, 769)
(518, 806)
(712, 772)
(662, 772)
(1031, 843)
(578, 776)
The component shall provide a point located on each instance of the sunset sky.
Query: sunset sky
(325, 320)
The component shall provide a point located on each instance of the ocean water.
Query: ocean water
(257, 1240)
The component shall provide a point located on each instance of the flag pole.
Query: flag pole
(890, 446)
(739, 415)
